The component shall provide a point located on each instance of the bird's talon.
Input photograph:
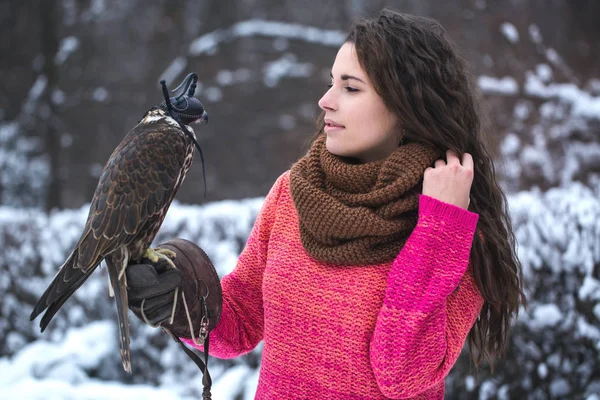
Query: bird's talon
(160, 254)
(166, 252)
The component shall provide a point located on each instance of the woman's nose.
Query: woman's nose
(328, 101)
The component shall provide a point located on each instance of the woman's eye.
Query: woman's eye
(348, 88)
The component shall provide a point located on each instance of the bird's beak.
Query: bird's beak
(204, 118)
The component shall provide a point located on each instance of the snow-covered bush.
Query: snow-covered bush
(555, 346)
(23, 171)
(81, 341)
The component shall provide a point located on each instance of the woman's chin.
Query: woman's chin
(333, 147)
(338, 150)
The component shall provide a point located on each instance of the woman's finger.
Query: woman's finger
(467, 161)
(439, 163)
(452, 157)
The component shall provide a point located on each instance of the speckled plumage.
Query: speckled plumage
(134, 192)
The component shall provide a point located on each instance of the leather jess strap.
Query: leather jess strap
(206, 380)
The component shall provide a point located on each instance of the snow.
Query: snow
(58, 97)
(546, 316)
(228, 77)
(98, 6)
(212, 94)
(95, 170)
(542, 370)
(69, 12)
(588, 331)
(23, 172)
(505, 86)
(555, 59)
(81, 349)
(251, 384)
(206, 44)
(510, 32)
(534, 33)
(287, 65)
(209, 42)
(590, 290)
(223, 387)
(562, 137)
(66, 140)
(38, 88)
(522, 110)
(50, 389)
(510, 144)
(559, 388)
(278, 29)
(173, 71)
(7, 132)
(225, 78)
(544, 72)
(100, 95)
(68, 46)
(552, 217)
(487, 390)
(553, 56)
(470, 383)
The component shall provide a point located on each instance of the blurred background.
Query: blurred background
(77, 75)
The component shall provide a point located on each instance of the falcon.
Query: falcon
(134, 192)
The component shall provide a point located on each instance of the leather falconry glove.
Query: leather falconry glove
(181, 294)
(186, 300)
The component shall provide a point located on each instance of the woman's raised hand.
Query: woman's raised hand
(450, 181)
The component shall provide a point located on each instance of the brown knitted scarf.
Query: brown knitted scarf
(356, 214)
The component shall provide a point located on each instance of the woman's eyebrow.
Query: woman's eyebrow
(346, 77)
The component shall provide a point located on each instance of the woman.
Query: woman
(388, 243)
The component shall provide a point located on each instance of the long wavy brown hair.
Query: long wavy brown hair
(421, 77)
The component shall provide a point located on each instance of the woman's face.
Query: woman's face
(357, 122)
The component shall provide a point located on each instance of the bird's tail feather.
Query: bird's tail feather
(115, 262)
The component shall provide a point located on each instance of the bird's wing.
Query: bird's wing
(136, 184)
(65, 283)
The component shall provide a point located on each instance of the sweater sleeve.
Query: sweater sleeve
(431, 302)
(240, 327)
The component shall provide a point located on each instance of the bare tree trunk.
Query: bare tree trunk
(49, 115)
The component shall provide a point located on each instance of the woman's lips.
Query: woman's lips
(331, 126)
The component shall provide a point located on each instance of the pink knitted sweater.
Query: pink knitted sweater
(391, 330)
